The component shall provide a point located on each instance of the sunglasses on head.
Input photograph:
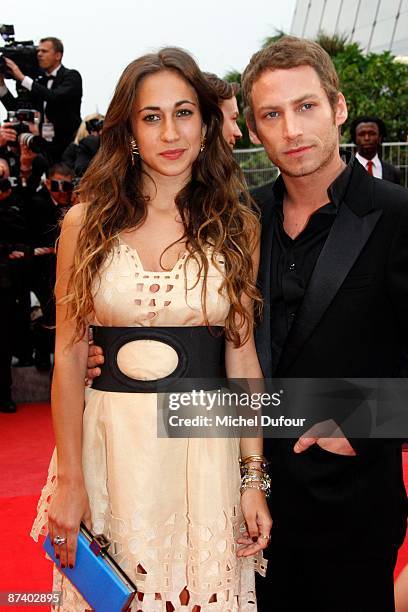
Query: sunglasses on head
(57, 185)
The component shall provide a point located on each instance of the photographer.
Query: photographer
(79, 154)
(24, 149)
(25, 168)
(56, 94)
(44, 215)
(12, 238)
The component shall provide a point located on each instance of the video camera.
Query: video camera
(23, 53)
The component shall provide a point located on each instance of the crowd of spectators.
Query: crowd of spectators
(45, 148)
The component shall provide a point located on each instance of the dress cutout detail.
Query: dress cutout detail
(171, 507)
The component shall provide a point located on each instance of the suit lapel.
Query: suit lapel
(384, 171)
(347, 238)
(59, 76)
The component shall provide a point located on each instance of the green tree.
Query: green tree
(374, 84)
(271, 39)
(334, 44)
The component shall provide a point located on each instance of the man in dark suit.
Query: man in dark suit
(13, 235)
(368, 133)
(44, 214)
(56, 94)
(334, 277)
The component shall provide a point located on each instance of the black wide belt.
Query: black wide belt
(200, 352)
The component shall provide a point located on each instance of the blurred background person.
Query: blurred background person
(79, 154)
(227, 101)
(56, 94)
(44, 215)
(25, 151)
(368, 133)
(24, 148)
(12, 236)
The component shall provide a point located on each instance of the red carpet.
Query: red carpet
(27, 443)
(403, 553)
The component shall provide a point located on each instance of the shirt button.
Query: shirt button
(292, 266)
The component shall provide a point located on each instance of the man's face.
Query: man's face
(295, 121)
(48, 58)
(230, 128)
(368, 139)
(62, 198)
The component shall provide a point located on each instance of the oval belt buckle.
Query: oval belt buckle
(99, 545)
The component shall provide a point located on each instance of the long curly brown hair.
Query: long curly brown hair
(214, 206)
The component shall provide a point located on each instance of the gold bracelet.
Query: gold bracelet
(255, 458)
(245, 468)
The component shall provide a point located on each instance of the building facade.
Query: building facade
(376, 25)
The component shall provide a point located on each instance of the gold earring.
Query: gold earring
(202, 147)
(134, 150)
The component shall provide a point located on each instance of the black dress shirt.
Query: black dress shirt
(293, 260)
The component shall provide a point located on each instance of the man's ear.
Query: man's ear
(341, 113)
(253, 135)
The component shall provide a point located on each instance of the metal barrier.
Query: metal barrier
(258, 170)
(256, 166)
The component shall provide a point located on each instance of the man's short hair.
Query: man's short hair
(290, 52)
(60, 168)
(56, 43)
(367, 119)
(224, 89)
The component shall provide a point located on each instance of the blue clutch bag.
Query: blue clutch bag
(98, 578)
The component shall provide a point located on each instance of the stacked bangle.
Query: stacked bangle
(254, 459)
(254, 477)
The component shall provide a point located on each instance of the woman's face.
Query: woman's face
(167, 124)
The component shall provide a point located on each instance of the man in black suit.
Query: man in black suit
(56, 94)
(334, 277)
(368, 133)
(13, 235)
(44, 214)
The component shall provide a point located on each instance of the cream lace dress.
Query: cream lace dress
(171, 507)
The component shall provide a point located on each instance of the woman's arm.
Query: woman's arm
(243, 363)
(70, 501)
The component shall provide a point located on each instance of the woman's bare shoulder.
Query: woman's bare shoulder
(75, 215)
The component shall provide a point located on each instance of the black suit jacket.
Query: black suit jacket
(63, 106)
(43, 219)
(391, 173)
(352, 323)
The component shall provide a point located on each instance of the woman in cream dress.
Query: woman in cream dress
(164, 241)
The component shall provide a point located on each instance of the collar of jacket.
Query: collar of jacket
(353, 185)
